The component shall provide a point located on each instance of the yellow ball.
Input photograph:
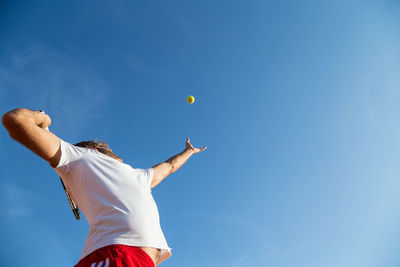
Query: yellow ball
(190, 99)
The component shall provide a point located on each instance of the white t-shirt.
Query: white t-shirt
(115, 199)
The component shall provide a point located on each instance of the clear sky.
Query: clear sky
(297, 101)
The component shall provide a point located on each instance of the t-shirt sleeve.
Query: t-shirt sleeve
(69, 153)
(145, 177)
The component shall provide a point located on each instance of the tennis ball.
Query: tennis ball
(190, 99)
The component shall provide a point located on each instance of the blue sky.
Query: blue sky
(297, 102)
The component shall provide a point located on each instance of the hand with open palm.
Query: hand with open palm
(189, 146)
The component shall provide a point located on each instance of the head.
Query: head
(100, 146)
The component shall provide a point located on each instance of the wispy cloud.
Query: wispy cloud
(15, 201)
(39, 76)
(18, 212)
(258, 243)
(270, 251)
(240, 262)
(139, 66)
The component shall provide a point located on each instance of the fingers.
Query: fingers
(195, 149)
(202, 149)
(188, 144)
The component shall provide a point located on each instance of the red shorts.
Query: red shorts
(117, 256)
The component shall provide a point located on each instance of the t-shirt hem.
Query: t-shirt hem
(165, 251)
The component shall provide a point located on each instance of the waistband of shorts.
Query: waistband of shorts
(128, 248)
(122, 248)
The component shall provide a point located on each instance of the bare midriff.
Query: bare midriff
(154, 254)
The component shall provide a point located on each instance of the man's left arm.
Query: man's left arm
(162, 170)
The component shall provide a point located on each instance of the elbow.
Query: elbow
(11, 119)
(7, 120)
(9, 123)
(172, 168)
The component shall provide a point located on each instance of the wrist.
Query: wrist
(41, 119)
(190, 151)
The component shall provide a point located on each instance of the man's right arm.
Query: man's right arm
(29, 128)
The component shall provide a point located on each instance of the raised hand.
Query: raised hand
(189, 146)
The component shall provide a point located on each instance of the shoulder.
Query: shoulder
(69, 153)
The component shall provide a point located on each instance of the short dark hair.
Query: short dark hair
(93, 144)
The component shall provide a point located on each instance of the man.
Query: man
(115, 198)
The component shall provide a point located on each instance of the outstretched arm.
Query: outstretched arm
(28, 127)
(171, 165)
